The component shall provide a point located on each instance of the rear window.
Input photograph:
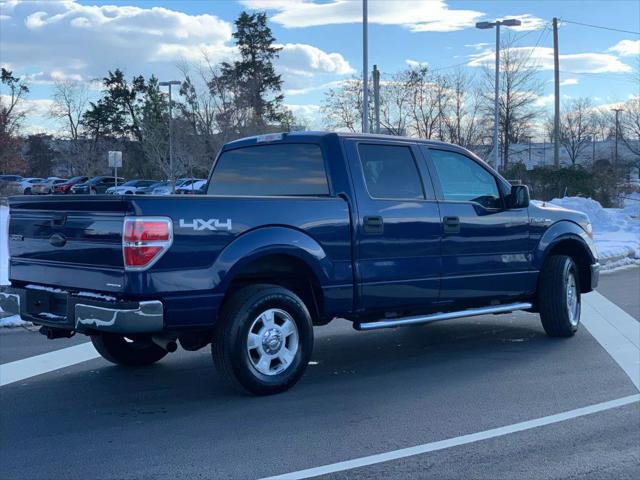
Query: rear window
(284, 169)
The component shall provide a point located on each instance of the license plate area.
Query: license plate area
(51, 306)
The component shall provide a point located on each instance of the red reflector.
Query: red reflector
(140, 256)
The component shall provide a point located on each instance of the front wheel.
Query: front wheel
(125, 351)
(559, 296)
(263, 339)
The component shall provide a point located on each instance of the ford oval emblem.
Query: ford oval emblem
(57, 240)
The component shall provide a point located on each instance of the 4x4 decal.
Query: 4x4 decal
(200, 224)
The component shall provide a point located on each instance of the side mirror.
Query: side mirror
(519, 197)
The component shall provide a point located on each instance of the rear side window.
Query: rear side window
(463, 180)
(283, 169)
(390, 171)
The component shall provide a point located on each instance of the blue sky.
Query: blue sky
(49, 39)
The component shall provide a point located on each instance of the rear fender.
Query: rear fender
(270, 241)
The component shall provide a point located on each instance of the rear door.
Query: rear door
(398, 226)
(485, 247)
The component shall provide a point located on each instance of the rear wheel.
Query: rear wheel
(125, 351)
(559, 296)
(263, 339)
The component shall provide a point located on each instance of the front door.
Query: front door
(398, 227)
(485, 247)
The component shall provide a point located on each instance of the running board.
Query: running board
(436, 317)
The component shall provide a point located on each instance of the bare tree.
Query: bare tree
(11, 116)
(70, 101)
(428, 100)
(463, 125)
(577, 127)
(519, 89)
(395, 105)
(630, 125)
(342, 106)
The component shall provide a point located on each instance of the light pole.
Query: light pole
(365, 68)
(172, 178)
(510, 22)
(615, 157)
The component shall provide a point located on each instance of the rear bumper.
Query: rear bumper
(60, 309)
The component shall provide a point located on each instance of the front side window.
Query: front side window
(464, 180)
(268, 170)
(390, 171)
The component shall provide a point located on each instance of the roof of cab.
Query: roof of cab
(310, 134)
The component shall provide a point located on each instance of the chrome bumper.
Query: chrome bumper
(72, 312)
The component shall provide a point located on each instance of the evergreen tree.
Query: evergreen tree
(253, 79)
(39, 155)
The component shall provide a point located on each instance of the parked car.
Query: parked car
(131, 187)
(192, 188)
(165, 188)
(295, 230)
(65, 187)
(6, 182)
(148, 190)
(10, 178)
(23, 186)
(46, 187)
(96, 185)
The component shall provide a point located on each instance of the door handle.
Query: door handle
(451, 224)
(373, 224)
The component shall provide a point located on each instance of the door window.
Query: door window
(464, 180)
(390, 172)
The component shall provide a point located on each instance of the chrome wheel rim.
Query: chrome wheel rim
(272, 342)
(572, 299)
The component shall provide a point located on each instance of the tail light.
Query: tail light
(144, 241)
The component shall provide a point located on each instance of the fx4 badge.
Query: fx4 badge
(199, 224)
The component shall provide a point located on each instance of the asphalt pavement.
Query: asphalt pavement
(364, 393)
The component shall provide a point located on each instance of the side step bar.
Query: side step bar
(436, 317)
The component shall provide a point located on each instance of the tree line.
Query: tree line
(213, 104)
(219, 102)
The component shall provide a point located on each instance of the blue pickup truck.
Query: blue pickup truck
(295, 230)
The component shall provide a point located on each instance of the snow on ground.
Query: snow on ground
(616, 231)
(4, 247)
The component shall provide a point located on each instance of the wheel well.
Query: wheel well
(288, 272)
(580, 256)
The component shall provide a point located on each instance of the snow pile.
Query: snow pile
(4, 245)
(616, 231)
(12, 321)
(631, 202)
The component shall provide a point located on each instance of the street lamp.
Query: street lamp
(171, 175)
(510, 22)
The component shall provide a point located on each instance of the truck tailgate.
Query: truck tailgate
(55, 241)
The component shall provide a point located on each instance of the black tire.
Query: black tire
(116, 349)
(229, 347)
(553, 299)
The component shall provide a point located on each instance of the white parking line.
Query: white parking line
(616, 330)
(454, 442)
(47, 362)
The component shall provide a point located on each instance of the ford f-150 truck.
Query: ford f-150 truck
(295, 230)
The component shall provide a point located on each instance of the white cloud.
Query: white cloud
(307, 60)
(87, 40)
(544, 100)
(308, 115)
(478, 46)
(30, 107)
(415, 63)
(572, 62)
(416, 15)
(292, 92)
(627, 48)
(529, 22)
(569, 81)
